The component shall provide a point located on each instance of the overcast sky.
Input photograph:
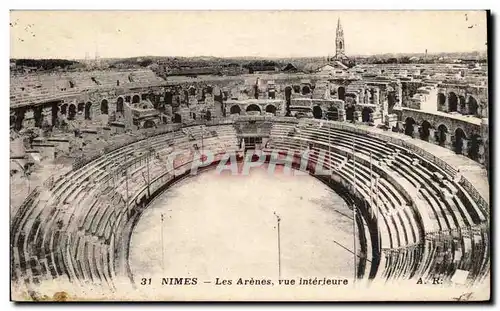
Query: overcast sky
(72, 34)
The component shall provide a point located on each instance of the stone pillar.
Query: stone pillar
(481, 153)
(399, 96)
(416, 131)
(448, 141)
(342, 116)
(400, 127)
(47, 115)
(361, 97)
(357, 116)
(376, 97)
(29, 119)
(465, 147)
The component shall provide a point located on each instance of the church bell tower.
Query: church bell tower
(339, 42)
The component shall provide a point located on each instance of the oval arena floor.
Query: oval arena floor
(219, 225)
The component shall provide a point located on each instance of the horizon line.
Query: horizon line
(248, 56)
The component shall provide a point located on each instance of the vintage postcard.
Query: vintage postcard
(249, 156)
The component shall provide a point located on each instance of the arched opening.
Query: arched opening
(149, 124)
(20, 114)
(81, 107)
(127, 98)
(475, 143)
(104, 106)
(472, 106)
(425, 130)
(64, 109)
(177, 118)
(441, 134)
(88, 107)
(365, 114)
(194, 116)
(136, 99)
(452, 102)
(296, 88)
(317, 112)
(341, 93)
(306, 90)
(71, 112)
(55, 110)
(374, 99)
(192, 91)
(350, 100)
(459, 140)
(391, 102)
(409, 124)
(119, 105)
(332, 114)
(288, 95)
(37, 114)
(349, 113)
(271, 109)
(441, 101)
(253, 108)
(463, 108)
(235, 109)
(168, 98)
(208, 115)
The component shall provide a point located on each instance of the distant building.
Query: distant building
(191, 72)
(262, 68)
(339, 45)
(289, 68)
(233, 69)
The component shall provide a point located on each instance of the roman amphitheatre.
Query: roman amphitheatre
(95, 207)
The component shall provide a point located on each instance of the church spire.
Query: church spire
(339, 26)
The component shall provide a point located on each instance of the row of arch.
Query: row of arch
(71, 110)
(332, 113)
(441, 135)
(236, 109)
(307, 89)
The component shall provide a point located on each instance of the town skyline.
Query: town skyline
(253, 34)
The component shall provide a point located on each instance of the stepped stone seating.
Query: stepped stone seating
(29, 88)
(449, 212)
(428, 222)
(75, 203)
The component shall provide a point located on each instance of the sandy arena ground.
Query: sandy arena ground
(224, 227)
